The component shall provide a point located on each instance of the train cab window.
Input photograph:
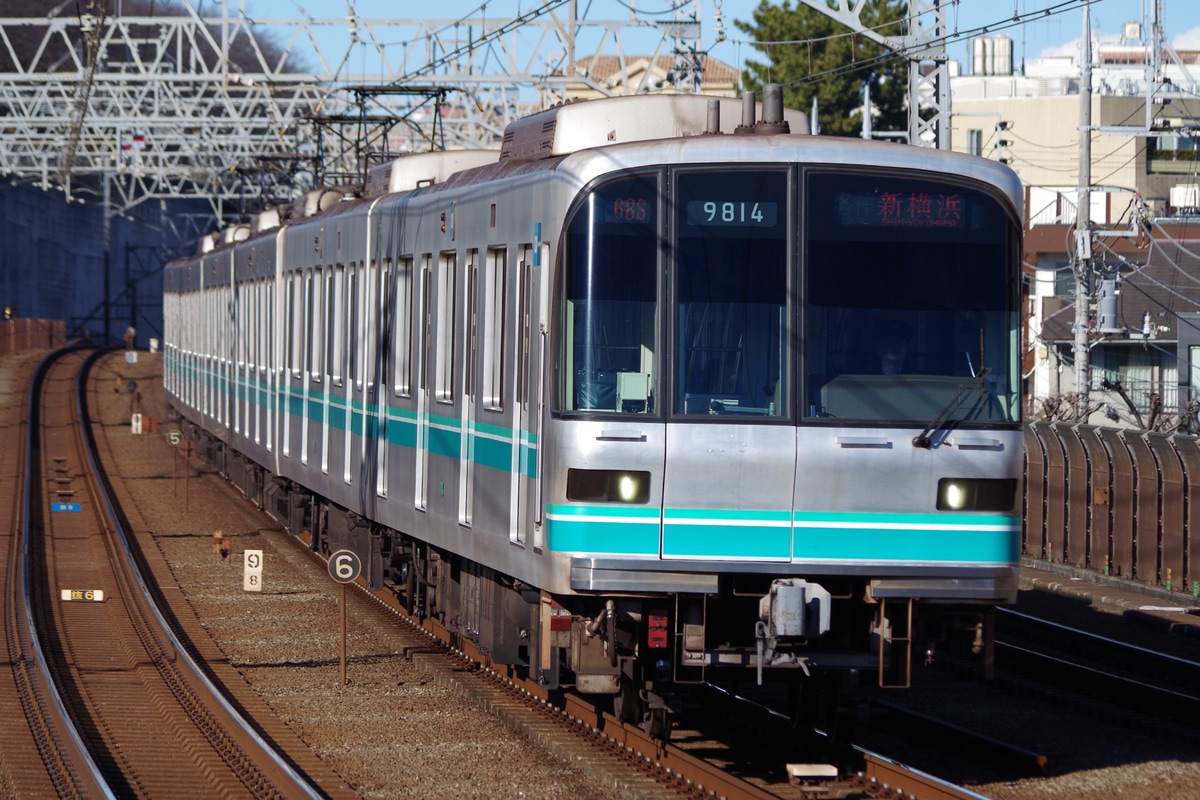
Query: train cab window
(911, 301)
(731, 268)
(608, 356)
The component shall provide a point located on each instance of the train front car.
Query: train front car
(785, 435)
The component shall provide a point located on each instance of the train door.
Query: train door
(293, 345)
(276, 330)
(286, 348)
(522, 419)
(385, 311)
(423, 354)
(262, 321)
(466, 451)
(229, 350)
(238, 370)
(610, 360)
(495, 497)
(354, 348)
(730, 449)
(445, 431)
(335, 353)
(313, 349)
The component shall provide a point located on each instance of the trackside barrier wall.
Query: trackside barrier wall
(1122, 502)
(31, 334)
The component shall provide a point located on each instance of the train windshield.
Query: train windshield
(911, 303)
(610, 317)
(731, 279)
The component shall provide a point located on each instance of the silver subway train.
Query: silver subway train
(662, 393)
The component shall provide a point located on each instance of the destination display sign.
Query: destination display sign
(906, 209)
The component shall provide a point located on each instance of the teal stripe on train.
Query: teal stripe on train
(605, 530)
(491, 444)
(783, 536)
(728, 534)
(933, 538)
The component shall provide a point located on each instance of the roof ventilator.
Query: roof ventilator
(772, 113)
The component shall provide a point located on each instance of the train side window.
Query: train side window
(447, 302)
(336, 339)
(296, 324)
(354, 337)
(609, 323)
(266, 326)
(423, 325)
(495, 290)
(243, 315)
(247, 303)
(525, 322)
(316, 325)
(372, 315)
(250, 350)
(471, 361)
(402, 327)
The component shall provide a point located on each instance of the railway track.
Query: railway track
(657, 769)
(1140, 681)
(129, 714)
(715, 769)
(41, 754)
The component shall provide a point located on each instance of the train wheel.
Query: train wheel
(657, 724)
(412, 582)
(627, 706)
(803, 704)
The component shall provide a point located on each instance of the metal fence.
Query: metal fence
(1119, 501)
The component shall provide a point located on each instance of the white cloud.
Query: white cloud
(1071, 48)
(1188, 40)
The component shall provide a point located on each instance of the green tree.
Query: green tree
(811, 55)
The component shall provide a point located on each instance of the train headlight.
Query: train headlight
(608, 486)
(976, 494)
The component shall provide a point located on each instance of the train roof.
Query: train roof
(582, 140)
(423, 169)
(571, 127)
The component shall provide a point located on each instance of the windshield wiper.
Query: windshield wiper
(924, 439)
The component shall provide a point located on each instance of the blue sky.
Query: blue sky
(1039, 34)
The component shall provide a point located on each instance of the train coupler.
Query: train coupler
(793, 610)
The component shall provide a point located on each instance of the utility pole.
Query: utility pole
(1082, 260)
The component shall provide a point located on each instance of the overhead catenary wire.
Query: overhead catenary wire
(901, 52)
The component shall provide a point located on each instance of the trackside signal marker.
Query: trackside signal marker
(91, 595)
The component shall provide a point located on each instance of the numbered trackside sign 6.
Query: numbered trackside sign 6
(252, 575)
(345, 566)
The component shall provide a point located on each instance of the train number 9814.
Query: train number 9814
(732, 212)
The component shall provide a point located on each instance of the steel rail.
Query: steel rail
(265, 769)
(68, 763)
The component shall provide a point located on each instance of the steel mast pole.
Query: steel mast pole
(1083, 235)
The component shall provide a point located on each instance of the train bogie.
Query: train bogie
(637, 414)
